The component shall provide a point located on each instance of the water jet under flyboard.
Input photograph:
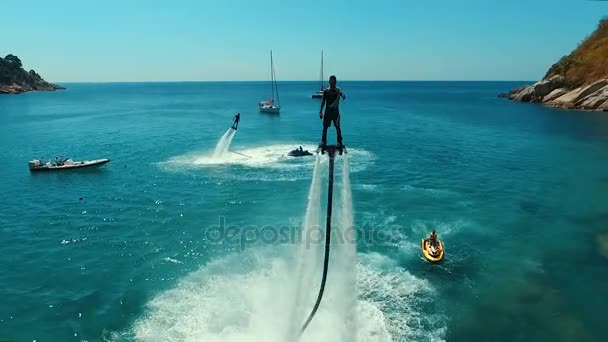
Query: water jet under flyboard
(341, 285)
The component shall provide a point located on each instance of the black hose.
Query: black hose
(330, 190)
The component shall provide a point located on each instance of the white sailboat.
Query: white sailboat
(319, 94)
(269, 106)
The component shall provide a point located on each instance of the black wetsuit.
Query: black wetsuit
(332, 113)
(237, 119)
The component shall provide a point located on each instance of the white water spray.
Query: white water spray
(344, 259)
(310, 252)
(257, 295)
(335, 319)
(224, 144)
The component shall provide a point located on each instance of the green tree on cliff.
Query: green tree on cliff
(12, 72)
(14, 61)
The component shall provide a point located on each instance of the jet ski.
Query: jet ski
(432, 254)
(299, 152)
(67, 164)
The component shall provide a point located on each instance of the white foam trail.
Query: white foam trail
(344, 257)
(257, 296)
(340, 299)
(310, 252)
(247, 297)
(261, 158)
(224, 144)
(335, 320)
(390, 302)
(241, 298)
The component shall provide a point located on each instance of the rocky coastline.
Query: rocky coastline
(15, 80)
(19, 88)
(577, 81)
(555, 93)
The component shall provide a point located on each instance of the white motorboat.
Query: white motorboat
(68, 164)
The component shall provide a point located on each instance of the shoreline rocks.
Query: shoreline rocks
(18, 89)
(551, 92)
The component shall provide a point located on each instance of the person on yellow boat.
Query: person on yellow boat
(433, 237)
(433, 244)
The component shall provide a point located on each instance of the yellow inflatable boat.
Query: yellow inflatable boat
(425, 244)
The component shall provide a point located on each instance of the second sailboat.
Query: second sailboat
(319, 94)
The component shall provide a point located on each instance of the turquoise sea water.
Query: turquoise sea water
(517, 192)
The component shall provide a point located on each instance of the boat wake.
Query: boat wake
(266, 293)
(248, 297)
(262, 158)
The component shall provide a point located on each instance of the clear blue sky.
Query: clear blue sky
(173, 40)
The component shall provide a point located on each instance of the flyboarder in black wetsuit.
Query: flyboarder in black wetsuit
(331, 98)
(237, 119)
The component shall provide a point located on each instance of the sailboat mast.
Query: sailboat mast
(276, 86)
(271, 78)
(321, 69)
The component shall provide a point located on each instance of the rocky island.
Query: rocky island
(14, 79)
(578, 81)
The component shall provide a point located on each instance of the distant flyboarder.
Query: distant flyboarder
(237, 119)
(331, 97)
